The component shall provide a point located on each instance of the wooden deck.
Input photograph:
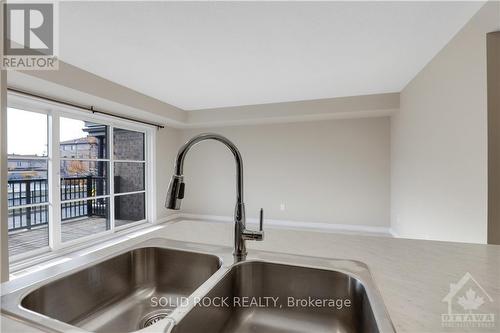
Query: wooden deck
(28, 240)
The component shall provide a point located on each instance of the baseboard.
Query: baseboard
(169, 218)
(285, 224)
(394, 233)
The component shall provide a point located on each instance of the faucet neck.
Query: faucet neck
(179, 165)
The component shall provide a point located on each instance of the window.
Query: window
(84, 189)
(73, 177)
(129, 167)
(27, 183)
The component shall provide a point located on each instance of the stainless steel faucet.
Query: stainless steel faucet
(176, 192)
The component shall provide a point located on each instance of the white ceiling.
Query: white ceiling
(218, 54)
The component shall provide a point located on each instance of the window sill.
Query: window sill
(20, 266)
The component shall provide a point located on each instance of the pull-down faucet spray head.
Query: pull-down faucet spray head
(175, 192)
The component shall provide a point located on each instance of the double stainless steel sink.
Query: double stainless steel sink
(168, 286)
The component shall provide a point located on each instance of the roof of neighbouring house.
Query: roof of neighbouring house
(84, 140)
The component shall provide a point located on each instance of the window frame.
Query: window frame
(54, 112)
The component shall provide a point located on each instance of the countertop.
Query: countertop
(413, 276)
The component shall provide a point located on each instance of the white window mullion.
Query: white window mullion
(111, 173)
(54, 183)
(150, 157)
(130, 161)
(129, 193)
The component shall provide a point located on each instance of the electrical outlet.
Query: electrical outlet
(282, 207)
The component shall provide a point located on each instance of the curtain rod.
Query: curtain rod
(82, 107)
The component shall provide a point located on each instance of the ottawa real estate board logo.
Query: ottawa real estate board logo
(469, 305)
(29, 39)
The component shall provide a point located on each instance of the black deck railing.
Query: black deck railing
(35, 191)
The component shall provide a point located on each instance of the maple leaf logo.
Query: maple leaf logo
(470, 301)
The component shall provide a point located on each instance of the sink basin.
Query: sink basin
(115, 295)
(256, 280)
(105, 293)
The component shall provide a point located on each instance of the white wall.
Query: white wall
(167, 145)
(309, 110)
(439, 142)
(334, 171)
